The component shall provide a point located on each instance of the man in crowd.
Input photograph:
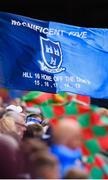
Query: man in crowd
(66, 147)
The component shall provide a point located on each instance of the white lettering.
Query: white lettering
(82, 35)
(27, 75)
(58, 78)
(56, 52)
(53, 61)
(46, 77)
(37, 75)
(50, 31)
(49, 49)
(15, 23)
(45, 30)
(69, 79)
(24, 23)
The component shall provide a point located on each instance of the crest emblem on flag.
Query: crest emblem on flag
(51, 55)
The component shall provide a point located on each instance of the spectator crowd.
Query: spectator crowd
(31, 148)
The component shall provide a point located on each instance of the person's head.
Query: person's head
(75, 140)
(67, 132)
(36, 118)
(75, 174)
(7, 124)
(12, 121)
(15, 101)
(45, 166)
(33, 131)
(9, 149)
(29, 147)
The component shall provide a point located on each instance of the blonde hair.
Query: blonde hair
(7, 124)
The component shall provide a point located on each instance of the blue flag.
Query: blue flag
(52, 57)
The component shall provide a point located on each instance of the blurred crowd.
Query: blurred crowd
(31, 148)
